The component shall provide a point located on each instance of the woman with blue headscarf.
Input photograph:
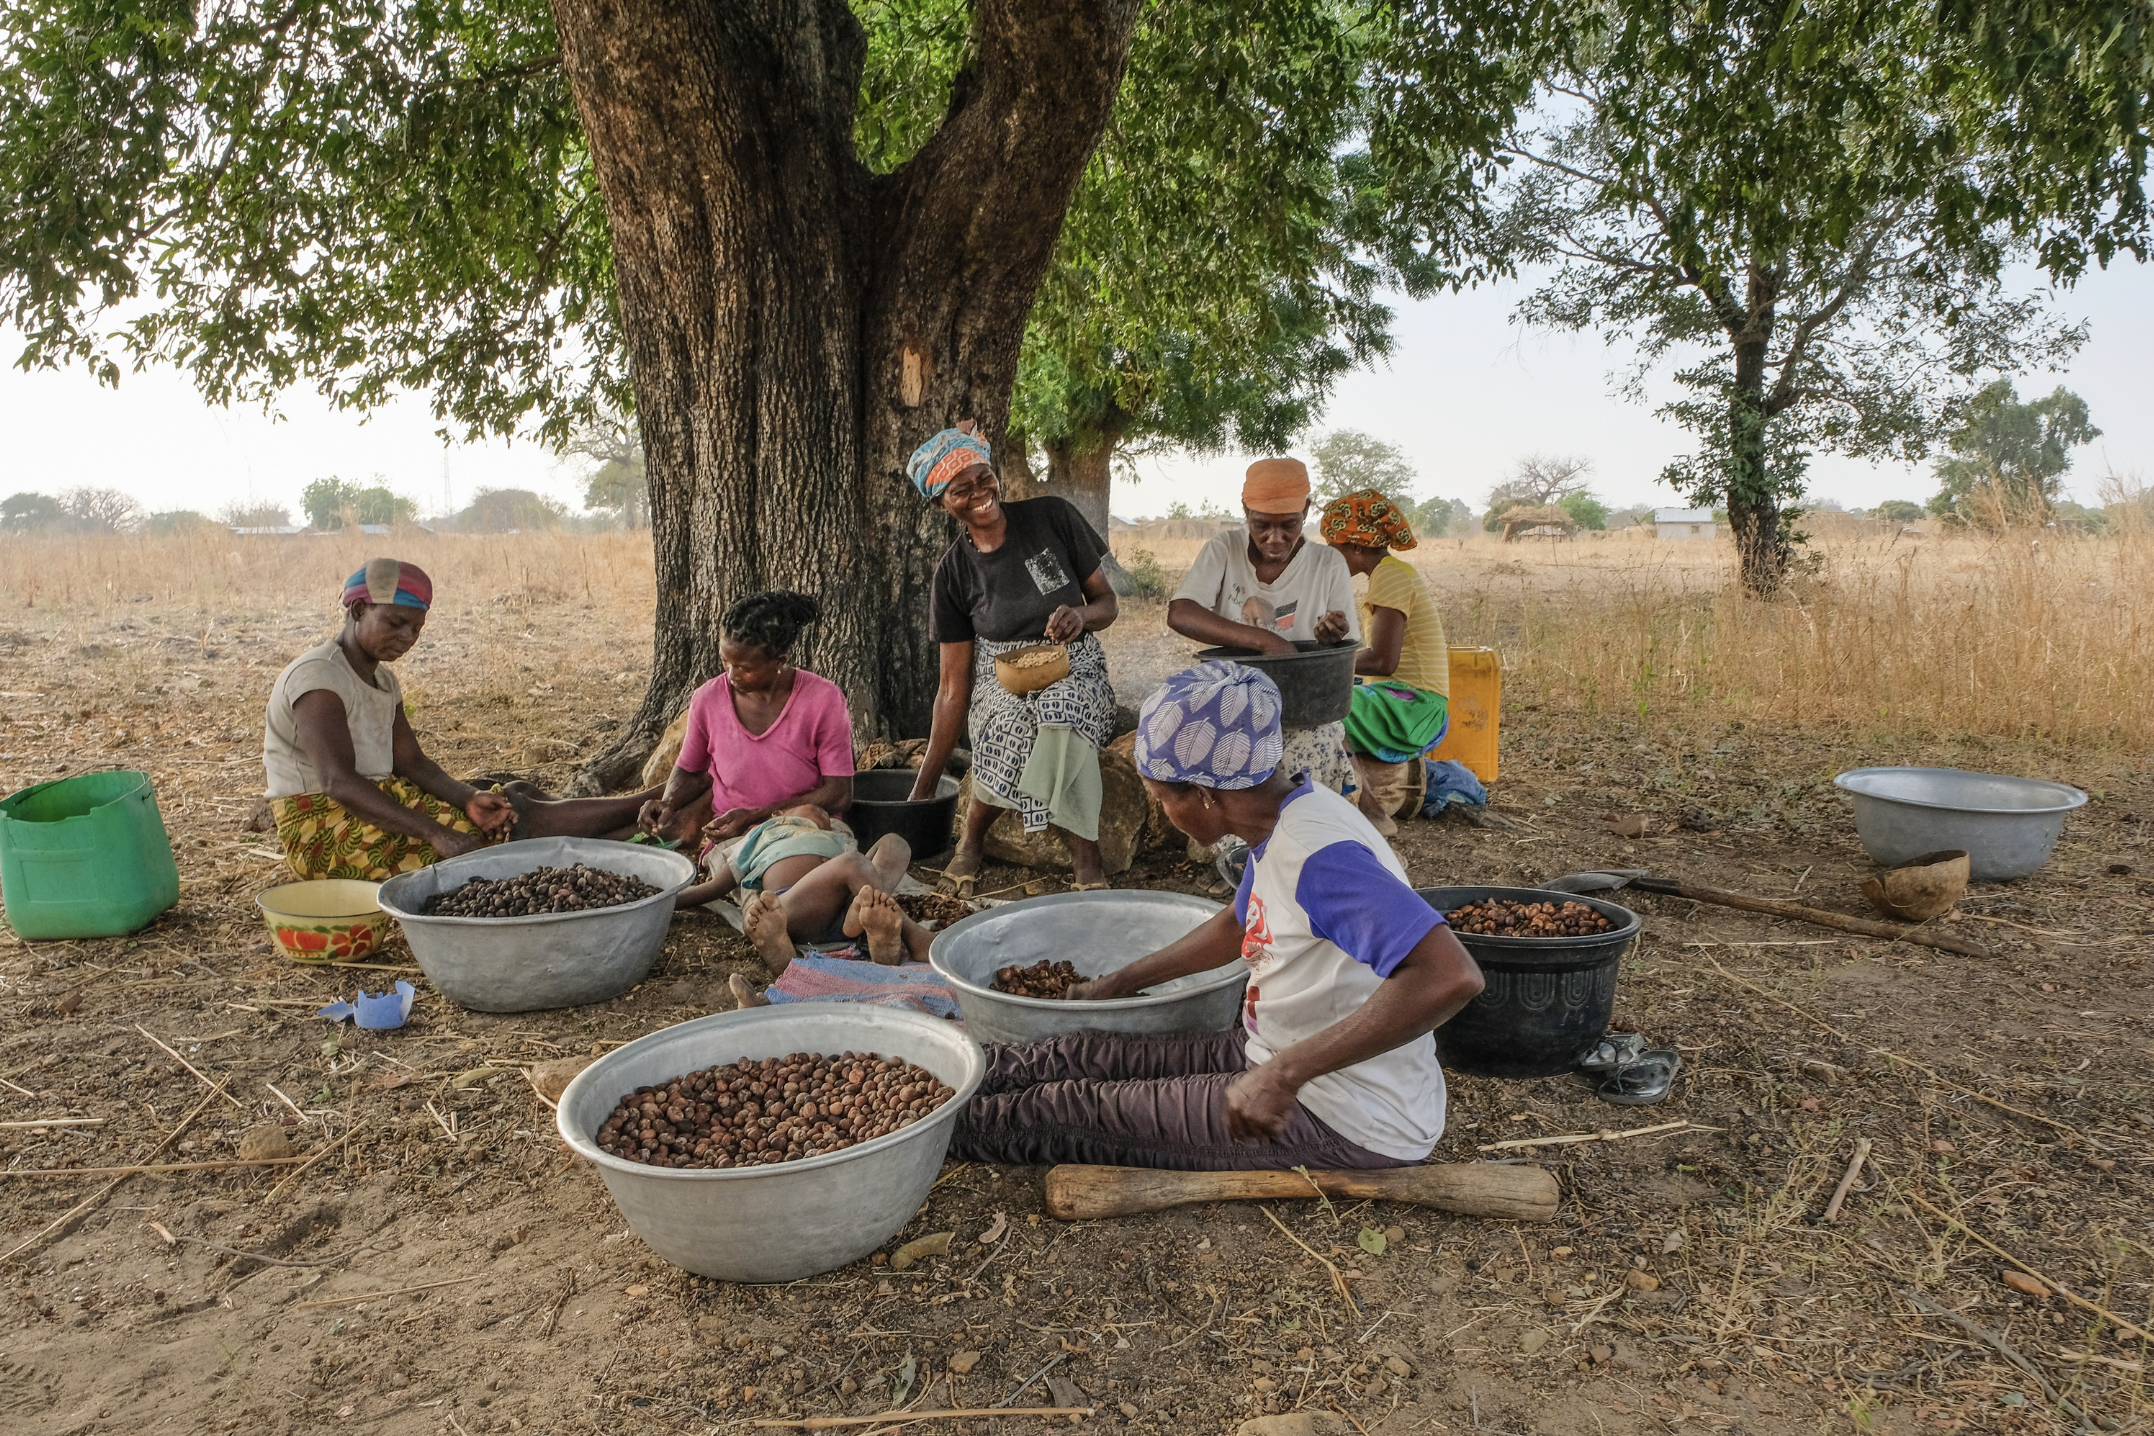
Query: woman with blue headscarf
(1020, 574)
(1350, 971)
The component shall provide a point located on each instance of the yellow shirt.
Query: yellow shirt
(1425, 656)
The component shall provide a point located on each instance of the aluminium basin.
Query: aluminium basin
(2008, 826)
(1095, 933)
(792, 1219)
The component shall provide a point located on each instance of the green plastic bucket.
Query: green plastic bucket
(85, 857)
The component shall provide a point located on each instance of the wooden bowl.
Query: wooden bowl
(1028, 670)
(1920, 888)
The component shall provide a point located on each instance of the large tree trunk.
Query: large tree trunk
(1085, 476)
(796, 324)
(1753, 500)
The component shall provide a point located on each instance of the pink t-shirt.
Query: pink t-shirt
(812, 740)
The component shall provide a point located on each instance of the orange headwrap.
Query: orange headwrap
(1276, 486)
(1365, 519)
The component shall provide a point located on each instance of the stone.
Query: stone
(1533, 1340)
(1294, 1423)
(1641, 1281)
(1394, 1234)
(1397, 1367)
(552, 1077)
(963, 1362)
(1124, 812)
(1129, 1411)
(265, 1143)
(659, 766)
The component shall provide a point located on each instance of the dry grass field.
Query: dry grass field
(1688, 1284)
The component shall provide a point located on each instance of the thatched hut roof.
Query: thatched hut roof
(1526, 517)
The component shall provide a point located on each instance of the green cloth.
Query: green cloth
(1395, 722)
(776, 839)
(1063, 773)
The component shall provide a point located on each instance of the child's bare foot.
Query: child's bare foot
(767, 930)
(877, 914)
(744, 993)
(889, 856)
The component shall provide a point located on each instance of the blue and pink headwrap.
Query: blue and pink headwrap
(384, 580)
(935, 463)
(1215, 725)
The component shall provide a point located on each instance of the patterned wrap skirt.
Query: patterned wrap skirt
(1005, 725)
(1321, 753)
(323, 839)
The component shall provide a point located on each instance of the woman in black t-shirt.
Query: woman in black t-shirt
(1019, 574)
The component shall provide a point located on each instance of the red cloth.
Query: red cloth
(812, 740)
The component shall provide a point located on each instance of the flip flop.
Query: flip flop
(960, 887)
(1645, 1082)
(1090, 887)
(1614, 1051)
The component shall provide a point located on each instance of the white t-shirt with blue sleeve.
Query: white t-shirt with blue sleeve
(1327, 914)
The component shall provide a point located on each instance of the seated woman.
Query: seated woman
(806, 882)
(352, 794)
(1018, 575)
(1265, 586)
(763, 736)
(1349, 973)
(1400, 718)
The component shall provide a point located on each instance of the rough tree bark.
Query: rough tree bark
(1753, 502)
(796, 324)
(1085, 476)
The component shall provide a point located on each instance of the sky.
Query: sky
(1466, 394)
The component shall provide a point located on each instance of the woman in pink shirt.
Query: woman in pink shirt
(762, 736)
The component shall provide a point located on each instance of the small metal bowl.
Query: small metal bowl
(1096, 933)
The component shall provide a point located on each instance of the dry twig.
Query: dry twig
(394, 1291)
(1847, 1183)
(2002, 1347)
(302, 1169)
(102, 1192)
(150, 1167)
(214, 1086)
(1338, 1282)
(2052, 1283)
(1604, 1135)
(906, 1418)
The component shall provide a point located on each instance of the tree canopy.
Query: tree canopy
(2006, 461)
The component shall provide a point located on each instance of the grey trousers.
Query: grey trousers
(1124, 1100)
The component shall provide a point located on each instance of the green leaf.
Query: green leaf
(1371, 1241)
(901, 1387)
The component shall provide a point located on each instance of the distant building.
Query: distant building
(1683, 523)
(376, 530)
(276, 530)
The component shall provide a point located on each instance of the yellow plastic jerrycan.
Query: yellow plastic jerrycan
(1476, 705)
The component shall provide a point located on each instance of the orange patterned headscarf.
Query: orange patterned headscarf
(1365, 519)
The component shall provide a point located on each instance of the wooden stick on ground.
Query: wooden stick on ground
(1604, 1135)
(55, 1122)
(1862, 926)
(2002, 1347)
(149, 1167)
(214, 1086)
(2054, 1285)
(102, 1192)
(1862, 1154)
(901, 1418)
(327, 1148)
(394, 1291)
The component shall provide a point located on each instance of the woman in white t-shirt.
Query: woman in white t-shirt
(1265, 588)
(1350, 971)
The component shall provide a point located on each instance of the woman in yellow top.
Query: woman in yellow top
(1401, 701)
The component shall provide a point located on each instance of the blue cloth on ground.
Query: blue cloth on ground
(1451, 782)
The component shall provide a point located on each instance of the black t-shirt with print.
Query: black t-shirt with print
(1046, 555)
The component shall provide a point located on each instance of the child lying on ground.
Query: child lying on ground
(803, 881)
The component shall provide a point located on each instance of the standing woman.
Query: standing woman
(1019, 574)
(1402, 704)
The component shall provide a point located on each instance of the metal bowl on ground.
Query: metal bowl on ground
(324, 919)
(883, 803)
(523, 964)
(794, 1219)
(2008, 826)
(1095, 933)
(1548, 999)
(1316, 683)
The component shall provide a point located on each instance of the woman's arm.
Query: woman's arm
(1432, 982)
(326, 736)
(1387, 636)
(494, 814)
(1213, 943)
(834, 793)
(953, 699)
(1192, 619)
(1100, 609)
(683, 787)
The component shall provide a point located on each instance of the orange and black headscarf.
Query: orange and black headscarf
(1365, 519)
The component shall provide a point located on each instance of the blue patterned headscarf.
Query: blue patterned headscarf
(935, 463)
(1215, 725)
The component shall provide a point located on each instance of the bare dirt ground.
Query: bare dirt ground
(1687, 1284)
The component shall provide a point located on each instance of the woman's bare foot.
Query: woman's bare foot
(1089, 869)
(889, 856)
(744, 993)
(767, 930)
(877, 914)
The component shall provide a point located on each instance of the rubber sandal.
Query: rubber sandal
(1645, 1082)
(1090, 887)
(960, 888)
(1614, 1051)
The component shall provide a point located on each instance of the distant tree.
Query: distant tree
(1542, 479)
(100, 511)
(615, 479)
(1590, 512)
(176, 521)
(255, 514)
(377, 505)
(2069, 515)
(1434, 518)
(1348, 459)
(335, 503)
(1898, 511)
(494, 511)
(2007, 459)
(27, 513)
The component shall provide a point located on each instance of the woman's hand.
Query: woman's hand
(924, 786)
(732, 823)
(494, 814)
(1064, 624)
(654, 815)
(1259, 1104)
(450, 843)
(1330, 628)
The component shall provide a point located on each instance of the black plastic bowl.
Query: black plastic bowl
(1548, 999)
(1316, 684)
(882, 804)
